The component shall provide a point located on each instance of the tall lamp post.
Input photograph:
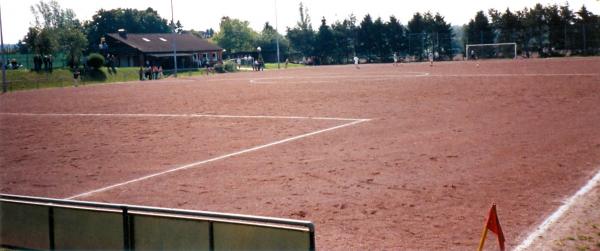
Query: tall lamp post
(174, 41)
(259, 58)
(259, 54)
(277, 36)
(4, 84)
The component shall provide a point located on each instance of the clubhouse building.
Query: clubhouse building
(134, 50)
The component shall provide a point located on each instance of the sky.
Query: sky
(201, 15)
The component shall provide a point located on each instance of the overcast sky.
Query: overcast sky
(201, 15)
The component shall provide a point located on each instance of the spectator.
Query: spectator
(50, 62)
(45, 62)
(154, 72)
(141, 72)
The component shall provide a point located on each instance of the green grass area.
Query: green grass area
(25, 79)
(271, 66)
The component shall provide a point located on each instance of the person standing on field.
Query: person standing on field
(395, 59)
(76, 74)
(430, 59)
(356, 62)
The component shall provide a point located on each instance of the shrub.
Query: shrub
(219, 68)
(95, 60)
(230, 66)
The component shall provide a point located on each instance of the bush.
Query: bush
(95, 60)
(219, 68)
(230, 66)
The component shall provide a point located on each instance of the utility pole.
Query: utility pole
(4, 84)
(277, 36)
(174, 41)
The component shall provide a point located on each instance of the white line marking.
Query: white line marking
(142, 115)
(191, 165)
(520, 75)
(558, 213)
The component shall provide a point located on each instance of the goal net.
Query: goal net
(488, 51)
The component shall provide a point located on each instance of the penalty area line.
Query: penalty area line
(198, 163)
(159, 115)
(541, 229)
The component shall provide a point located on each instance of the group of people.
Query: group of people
(151, 72)
(111, 60)
(45, 61)
(258, 65)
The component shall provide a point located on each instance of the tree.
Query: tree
(365, 37)
(568, 19)
(177, 27)
(267, 40)
(73, 42)
(302, 37)
(325, 43)
(31, 38)
(507, 26)
(555, 26)
(587, 30)
(380, 40)
(46, 42)
(395, 35)
(344, 36)
(416, 35)
(441, 35)
(236, 35)
(536, 24)
(479, 30)
(51, 15)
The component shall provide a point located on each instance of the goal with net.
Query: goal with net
(489, 51)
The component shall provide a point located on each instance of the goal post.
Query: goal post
(489, 51)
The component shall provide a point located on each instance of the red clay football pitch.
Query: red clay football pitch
(379, 158)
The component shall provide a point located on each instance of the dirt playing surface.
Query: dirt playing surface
(441, 145)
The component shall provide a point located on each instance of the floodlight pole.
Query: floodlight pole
(4, 84)
(277, 36)
(174, 41)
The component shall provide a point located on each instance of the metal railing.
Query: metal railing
(44, 223)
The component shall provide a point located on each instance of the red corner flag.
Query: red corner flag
(492, 224)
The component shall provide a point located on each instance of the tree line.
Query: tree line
(554, 29)
(551, 30)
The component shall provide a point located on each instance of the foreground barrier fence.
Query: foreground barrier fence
(53, 224)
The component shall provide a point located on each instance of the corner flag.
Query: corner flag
(493, 224)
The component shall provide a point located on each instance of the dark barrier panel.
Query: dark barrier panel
(42, 223)
(166, 233)
(24, 225)
(230, 236)
(87, 229)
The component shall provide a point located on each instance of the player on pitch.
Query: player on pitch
(356, 62)
(430, 59)
(395, 59)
